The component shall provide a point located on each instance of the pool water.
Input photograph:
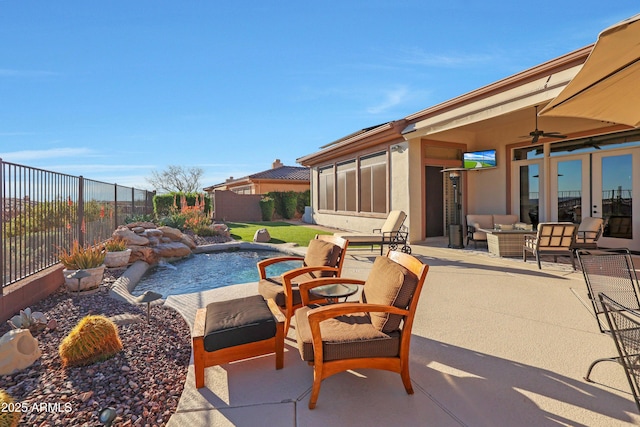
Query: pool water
(201, 272)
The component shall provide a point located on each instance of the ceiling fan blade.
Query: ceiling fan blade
(554, 135)
(535, 138)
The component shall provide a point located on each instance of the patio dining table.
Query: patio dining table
(506, 243)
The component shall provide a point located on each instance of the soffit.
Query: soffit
(538, 91)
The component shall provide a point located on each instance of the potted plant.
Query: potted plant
(87, 258)
(116, 252)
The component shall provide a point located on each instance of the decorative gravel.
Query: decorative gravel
(143, 382)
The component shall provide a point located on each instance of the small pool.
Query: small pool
(201, 272)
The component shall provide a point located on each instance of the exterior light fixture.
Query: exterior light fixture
(148, 297)
(106, 416)
(79, 274)
(455, 228)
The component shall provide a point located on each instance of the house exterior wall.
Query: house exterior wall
(397, 188)
(499, 116)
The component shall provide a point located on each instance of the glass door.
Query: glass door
(528, 205)
(599, 184)
(570, 188)
(615, 196)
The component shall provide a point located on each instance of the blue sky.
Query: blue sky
(113, 90)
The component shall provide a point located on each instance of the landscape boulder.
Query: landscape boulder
(18, 350)
(262, 236)
(172, 250)
(131, 237)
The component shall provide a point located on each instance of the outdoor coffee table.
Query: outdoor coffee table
(506, 243)
(334, 292)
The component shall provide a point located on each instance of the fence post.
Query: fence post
(133, 201)
(80, 211)
(115, 206)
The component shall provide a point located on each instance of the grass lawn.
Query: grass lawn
(280, 232)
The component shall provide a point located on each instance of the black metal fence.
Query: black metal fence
(44, 211)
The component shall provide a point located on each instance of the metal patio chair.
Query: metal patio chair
(610, 272)
(624, 325)
(552, 238)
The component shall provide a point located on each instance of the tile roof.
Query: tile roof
(290, 173)
(298, 173)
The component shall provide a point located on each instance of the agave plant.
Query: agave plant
(34, 321)
(80, 257)
(115, 244)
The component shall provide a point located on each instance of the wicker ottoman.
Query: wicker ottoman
(227, 331)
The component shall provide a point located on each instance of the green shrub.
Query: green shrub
(139, 218)
(304, 199)
(176, 220)
(267, 207)
(289, 203)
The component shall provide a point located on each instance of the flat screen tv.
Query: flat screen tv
(479, 159)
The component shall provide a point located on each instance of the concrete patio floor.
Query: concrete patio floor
(496, 342)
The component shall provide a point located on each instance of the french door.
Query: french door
(604, 184)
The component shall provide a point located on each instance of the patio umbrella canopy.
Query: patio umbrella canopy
(607, 87)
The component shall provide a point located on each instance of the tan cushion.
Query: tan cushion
(588, 231)
(478, 235)
(271, 288)
(321, 253)
(345, 337)
(388, 283)
(480, 221)
(554, 236)
(393, 222)
(505, 219)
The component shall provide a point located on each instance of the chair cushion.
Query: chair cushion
(589, 230)
(272, 287)
(393, 222)
(345, 337)
(480, 221)
(321, 253)
(388, 283)
(554, 236)
(238, 321)
(505, 219)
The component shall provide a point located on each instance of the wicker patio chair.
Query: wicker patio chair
(610, 272)
(624, 325)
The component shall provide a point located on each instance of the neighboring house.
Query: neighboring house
(278, 178)
(593, 171)
(238, 199)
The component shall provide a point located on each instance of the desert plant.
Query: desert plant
(80, 257)
(93, 339)
(34, 321)
(115, 244)
(9, 417)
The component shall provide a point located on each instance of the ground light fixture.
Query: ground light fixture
(148, 297)
(107, 415)
(79, 274)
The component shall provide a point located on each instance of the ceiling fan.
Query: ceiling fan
(537, 133)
